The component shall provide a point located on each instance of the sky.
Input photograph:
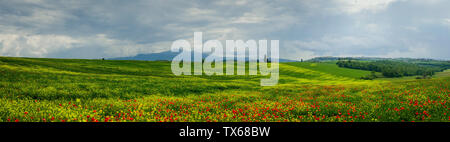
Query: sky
(92, 29)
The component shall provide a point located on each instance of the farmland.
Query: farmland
(76, 90)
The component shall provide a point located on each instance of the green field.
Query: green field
(445, 73)
(77, 90)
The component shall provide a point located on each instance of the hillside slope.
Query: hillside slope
(74, 90)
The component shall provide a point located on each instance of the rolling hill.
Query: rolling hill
(78, 90)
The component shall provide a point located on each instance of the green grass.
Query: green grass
(55, 90)
(331, 68)
(445, 73)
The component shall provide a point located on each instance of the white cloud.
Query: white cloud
(33, 45)
(231, 2)
(249, 18)
(413, 50)
(356, 6)
(120, 48)
(446, 22)
(198, 11)
(334, 45)
(28, 45)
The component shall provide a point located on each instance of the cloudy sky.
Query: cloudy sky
(305, 28)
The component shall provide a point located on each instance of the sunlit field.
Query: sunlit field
(75, 90)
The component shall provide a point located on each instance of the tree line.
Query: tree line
(391, 68)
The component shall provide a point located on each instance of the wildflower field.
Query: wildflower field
(76, 90)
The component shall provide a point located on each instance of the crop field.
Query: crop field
(77, 90)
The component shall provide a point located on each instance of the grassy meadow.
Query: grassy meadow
(77, 90)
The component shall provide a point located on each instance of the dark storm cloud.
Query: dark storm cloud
(305, 28)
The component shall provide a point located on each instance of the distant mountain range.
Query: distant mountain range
(168, 56)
